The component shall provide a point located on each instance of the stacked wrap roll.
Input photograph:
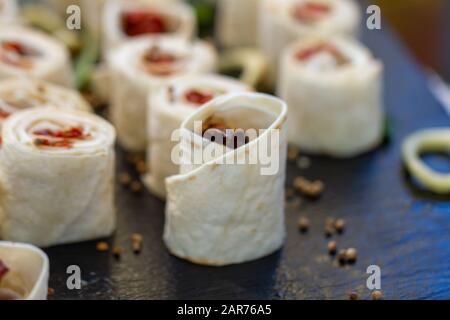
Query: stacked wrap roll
(28, 271)
(170, 106)
(19, 93)
(134, 79)
(220, 211)
(284, 21)
(237, 22)
(29, 53)
(8, 11)
(165, 18)
(333, 87)
(56, 177)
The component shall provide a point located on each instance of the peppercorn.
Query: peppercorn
(136, 186)
(332, 247)
(376, 295)
(50, 292)
(339, 225)
(136, 242)
(353, 296)
(303, 224)
(124, 178)
(351, 255)
(342, 257)
(102, 246)
(117, 252)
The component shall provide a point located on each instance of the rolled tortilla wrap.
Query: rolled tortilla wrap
(333, 87)
(27, 272)
(220, 211)
(71, 197)
(170, 106)
(29, 53)
(237, 22)
(8, 11)
(124, 20)
(284, 21)
(138, 69)
(20, 93)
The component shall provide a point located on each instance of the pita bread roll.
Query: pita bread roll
(237, 22)
(334, 90)
(29, 53)
(8, 11)
(284, 21)
(71, 198)
(20, 93)
(227, 204)
(138, 69)
(25, 271)
(125, 20)
(170, 106)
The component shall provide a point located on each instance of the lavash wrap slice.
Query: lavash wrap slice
(132, 85)
(28, 270)
(336, 110)
(170, 107)
(180, 16)
(51, 62)
(237, 22)
(8, 11)
(219, 213)
(278, 26)
(56, 195)
(20, 93)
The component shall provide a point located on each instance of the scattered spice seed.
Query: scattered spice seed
(141, 166)
(289, 193)
(353, 296)
(50, 292)
(102, 246)
(136, 186)
(117, 252)
(329, 231)
(125, 178)
(311, 189)
(339, 225)
(351, 255)
(136, 242)
(332, 247)
(303, 224)
(376, 295)
(292, 153)
(342, 257)
(303, 163)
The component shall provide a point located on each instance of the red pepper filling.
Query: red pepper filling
(198, 97)
(217, 131)
(310, 52)
(158, 62)
(16, 54)
(62, 138)
(138, 22)
(3, 270)
(311, 11)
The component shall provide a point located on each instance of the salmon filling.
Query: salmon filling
(159, 63)
(308, 53)
(310, 12)
(58, 138)
(16, 54)
(140, 22)
(198, 97)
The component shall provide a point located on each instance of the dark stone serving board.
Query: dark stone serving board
(393, 224)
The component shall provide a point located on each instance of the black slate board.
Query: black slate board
(392, 224)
